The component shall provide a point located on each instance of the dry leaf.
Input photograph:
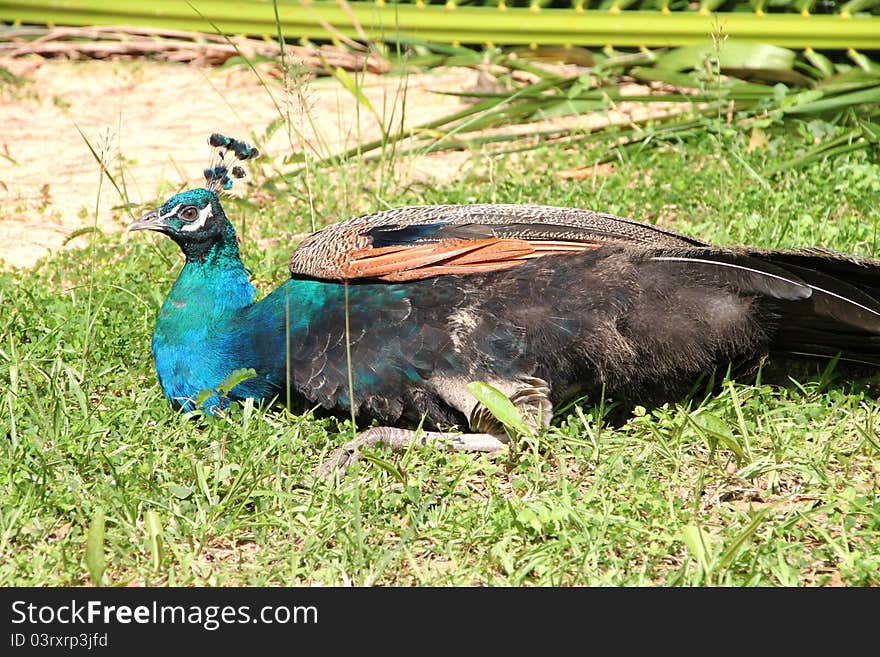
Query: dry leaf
(587, 172)
(757, 139)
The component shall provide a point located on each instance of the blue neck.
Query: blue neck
(191, 341)
(208, 290)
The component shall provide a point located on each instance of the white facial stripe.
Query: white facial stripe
(170, 213)
(204, 214)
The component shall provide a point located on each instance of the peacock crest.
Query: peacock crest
(220, 175)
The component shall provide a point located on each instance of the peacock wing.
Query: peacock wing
(419, 242)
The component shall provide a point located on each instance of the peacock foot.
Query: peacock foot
(400, 439)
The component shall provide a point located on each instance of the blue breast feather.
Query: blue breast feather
(209, 326)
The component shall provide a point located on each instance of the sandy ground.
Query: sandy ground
(155, 118)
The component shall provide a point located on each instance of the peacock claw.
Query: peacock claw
(400, 439)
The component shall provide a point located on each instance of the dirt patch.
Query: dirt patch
(153, 119)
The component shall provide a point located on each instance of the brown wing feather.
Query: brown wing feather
(478, 238)
(407, 263)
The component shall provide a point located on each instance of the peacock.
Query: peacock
(545, 304)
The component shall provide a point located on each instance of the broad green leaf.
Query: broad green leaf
(769, 75)
(180, 492)
(528, 517)
(713, 426)
(732, 54)
(154, 532)
(694, 539)
(235, 377)
(499, 405)
(95, 548)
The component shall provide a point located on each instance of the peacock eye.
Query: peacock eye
(189, 213)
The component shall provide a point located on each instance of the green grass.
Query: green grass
(753, 485)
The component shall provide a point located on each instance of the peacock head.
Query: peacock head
(195, 218)
(191, 217)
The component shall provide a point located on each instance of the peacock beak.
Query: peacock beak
(150, 221)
